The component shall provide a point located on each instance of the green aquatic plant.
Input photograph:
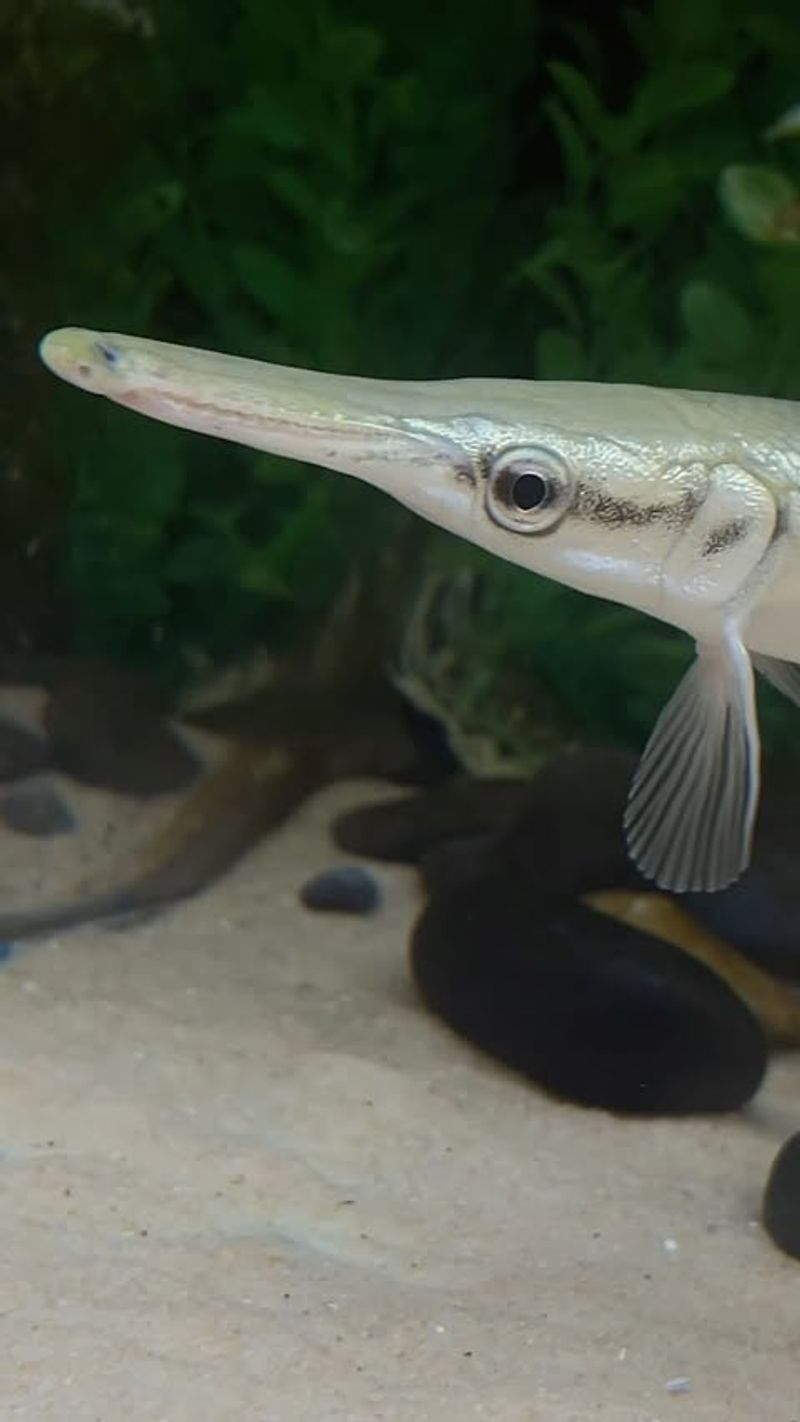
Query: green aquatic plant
(405, 190)
(279, 181)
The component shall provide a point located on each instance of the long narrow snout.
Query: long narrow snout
(367, 428)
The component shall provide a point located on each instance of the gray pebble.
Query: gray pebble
(346, 889)
(22, 752)
(36, 810)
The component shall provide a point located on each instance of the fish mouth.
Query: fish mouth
(83, 358)
(368, 428)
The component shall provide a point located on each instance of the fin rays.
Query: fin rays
(784, 676)
(692, 806)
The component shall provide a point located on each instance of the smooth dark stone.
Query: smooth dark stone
(349, 888)
(36, 810)
(781, 1205)
(760, 914)
(572, 837)
(107, 729)
(457, 865)
(403, 830)
(22, 752)
(564, 825)
(569, 835)
(565, 828)
(590, 1009)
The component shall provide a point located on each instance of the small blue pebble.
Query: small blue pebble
(6, 951)
(36, 810)
(348, 889)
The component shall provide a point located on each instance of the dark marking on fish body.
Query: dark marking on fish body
(727, 535)
(783, 515)
(601, 508)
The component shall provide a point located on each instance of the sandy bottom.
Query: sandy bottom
(244, 1175)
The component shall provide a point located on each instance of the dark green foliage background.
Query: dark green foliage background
(393, 188)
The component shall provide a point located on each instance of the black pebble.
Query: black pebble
(590, 1009)
(760, 913)
(566, 826)
(346, 889)
(107, 728)
(22, 752)
(569, 834)
(36, 810)
(402, 830)
(781, 1206)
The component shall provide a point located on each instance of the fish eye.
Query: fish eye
(528, 490)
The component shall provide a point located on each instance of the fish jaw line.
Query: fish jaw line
(335, 422)
(372, 430)
(423, 470)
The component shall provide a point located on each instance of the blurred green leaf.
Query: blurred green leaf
(586, 104)
(672, 91)
(355, 51)
(787, 125)
(270, 281)
(579, 160)
(268, 117)
(559, 356)
(762, 202)
(715, 321)
(654, 187)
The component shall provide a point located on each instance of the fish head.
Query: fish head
(589, 484)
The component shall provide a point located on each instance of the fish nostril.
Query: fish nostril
(109, 355)
(85, 371)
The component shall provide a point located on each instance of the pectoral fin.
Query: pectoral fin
(693, 802)
(784, 676)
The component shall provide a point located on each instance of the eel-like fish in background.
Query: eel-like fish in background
(250, 793)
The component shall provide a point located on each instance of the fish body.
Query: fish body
(682, 504)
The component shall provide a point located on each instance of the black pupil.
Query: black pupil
(528, 491)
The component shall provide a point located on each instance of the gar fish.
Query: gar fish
(681, 504)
